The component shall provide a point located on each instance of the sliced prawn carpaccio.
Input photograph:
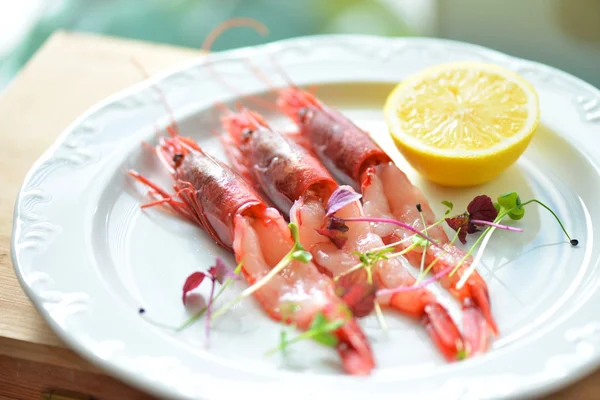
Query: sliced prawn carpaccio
(354, 158)
(213, 196)
(287, 173)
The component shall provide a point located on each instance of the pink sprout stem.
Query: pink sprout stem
(208, 310)
(392, 221)
(403, 289)
(495, 225)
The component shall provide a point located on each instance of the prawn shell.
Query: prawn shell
(220, 192)
(284, 170)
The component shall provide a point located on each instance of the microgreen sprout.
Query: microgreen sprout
(449, 206)
(380, 318)
(288, 311)
(321, 331)
(480, 212)
(218, 273)
(495, 225)
(283, 343)
(142, 312)
(416, 240)
(511, 201)
(507, 205)
(203, 310)
(462, 354)
(511, 213)
(296, 253)
(438, 257)
(367, 260)
(423, 254)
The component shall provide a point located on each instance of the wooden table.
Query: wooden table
(68, 75)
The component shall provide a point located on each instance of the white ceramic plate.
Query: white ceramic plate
(89, 257)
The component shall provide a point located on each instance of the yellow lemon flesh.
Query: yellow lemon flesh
(462, 124)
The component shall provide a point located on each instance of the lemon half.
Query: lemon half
(462, 124)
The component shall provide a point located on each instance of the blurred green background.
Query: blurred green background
(561, 33)
(188, 22)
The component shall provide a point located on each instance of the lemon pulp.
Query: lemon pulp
(462, 124)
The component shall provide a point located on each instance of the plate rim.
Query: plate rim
(145, 384)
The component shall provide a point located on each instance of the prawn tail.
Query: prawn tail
(354, 349)
(481, 299)
(444, 333)
(353, 346)
(476, 328)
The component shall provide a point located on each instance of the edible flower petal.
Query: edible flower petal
(341, 198)
(338, 238)
(482, 208)
(220, 271)
(460, 224)
(480, 211)
(191, 283)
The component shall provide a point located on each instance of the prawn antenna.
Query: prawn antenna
(282, 72)
(161, 94)
(233, 23)
(260, 28)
